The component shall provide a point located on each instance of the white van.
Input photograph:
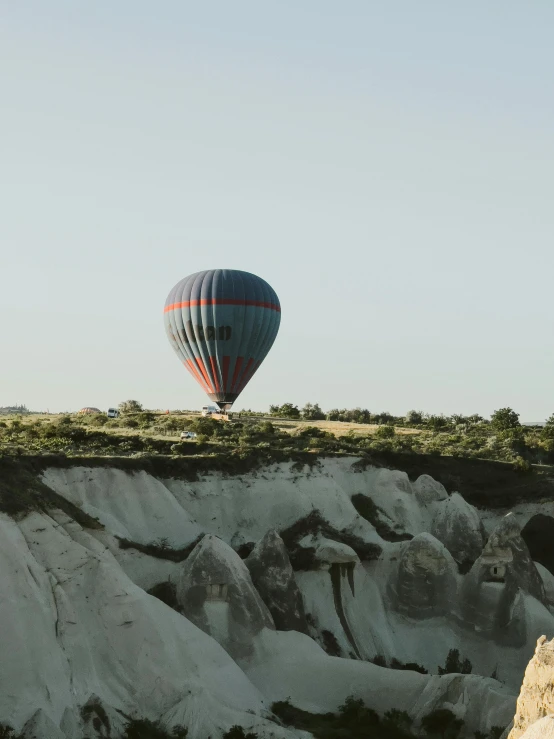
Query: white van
(207, 410)
(112, 413)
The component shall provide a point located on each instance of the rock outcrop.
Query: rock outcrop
(215, 591)
(80, 643)
(536, 699)
(273, 577)
(507, 538)
(41, 726)
(428, 490)
(425, 583)
(548, 584)
(83, 645)
(326, 551)
(541, 729)
(457, 525)
(493, 597)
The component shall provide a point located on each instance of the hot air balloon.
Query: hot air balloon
(222, 323)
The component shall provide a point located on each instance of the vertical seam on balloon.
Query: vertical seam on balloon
(244, 374)
(226, 363)
(248, 374)
(238, 365)
(246, 322)
(214, 344)
(200, 364)
(194, 372)
(203, 350)
(215, 374)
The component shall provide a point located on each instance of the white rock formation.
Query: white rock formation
(273, 578)
(457, 525)
(327, 551)
(425, 582)
(134, 506)
(215, 591)
(74, 626)
(507, 536)
(79, 632)
(428, 490)
(290, 664)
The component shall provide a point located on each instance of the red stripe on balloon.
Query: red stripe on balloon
(247, 377)
(242, 381)
(238, 365)
(196, 374)
(215, 374)
(222, 301)
(226, 362)
(200, 364)
(253, 371)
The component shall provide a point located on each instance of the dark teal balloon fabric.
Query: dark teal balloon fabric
(222, 323)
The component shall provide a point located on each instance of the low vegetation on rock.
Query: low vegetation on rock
(6, 732)
(304, 557)
(354, 720)
(501, 438)
(454, 664)
(145, 729)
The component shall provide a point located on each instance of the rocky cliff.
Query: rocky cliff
(200, 602)
(535, 706)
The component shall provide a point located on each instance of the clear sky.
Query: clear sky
(386, 166)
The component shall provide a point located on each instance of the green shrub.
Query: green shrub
(144, 419)
(443, 723)
(313, 412)
(385, 432)
(98, 419)
(454, 664)
(130, 406)
(354, 720)
(410, 666)
(206, 426)
(237, 732)
(6, 732)
(330, 643)
(144, 729)
(166, 592)
(379, 660)
(395, 664)
(522, 465)
(287, 410)
(160, 549)
(504, 419)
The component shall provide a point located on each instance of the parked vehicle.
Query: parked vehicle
(207, 410)
(188, 435)
(113, 413)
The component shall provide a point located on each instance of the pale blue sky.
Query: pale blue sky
(386, 166)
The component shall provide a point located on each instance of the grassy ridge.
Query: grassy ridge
(29, 445)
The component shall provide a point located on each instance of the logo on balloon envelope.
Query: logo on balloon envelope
(195, 333)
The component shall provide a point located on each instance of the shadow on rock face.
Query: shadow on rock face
(215, 591)
(538, 534)
(457, 525)
(493, 593)
(273, 576)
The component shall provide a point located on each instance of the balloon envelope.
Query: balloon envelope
(222, 323)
